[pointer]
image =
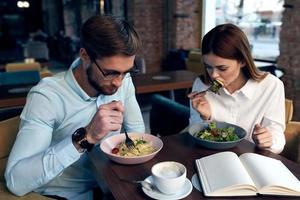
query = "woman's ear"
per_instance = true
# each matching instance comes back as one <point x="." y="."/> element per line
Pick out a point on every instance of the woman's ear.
<point x="242" y="64"/>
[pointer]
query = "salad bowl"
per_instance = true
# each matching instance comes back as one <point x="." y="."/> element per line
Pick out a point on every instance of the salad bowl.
<point x="216" y="144"/>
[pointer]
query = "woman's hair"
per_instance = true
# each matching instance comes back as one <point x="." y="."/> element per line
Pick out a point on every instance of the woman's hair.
<point x="230" y="42"/>
<point x="105" y="36"/>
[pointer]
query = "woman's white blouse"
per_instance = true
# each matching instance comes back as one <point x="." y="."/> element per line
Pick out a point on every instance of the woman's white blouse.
<point x="255" y="103"/>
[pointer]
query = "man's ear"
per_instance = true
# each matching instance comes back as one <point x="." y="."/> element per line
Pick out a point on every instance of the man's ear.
<point x="83" y="54"/>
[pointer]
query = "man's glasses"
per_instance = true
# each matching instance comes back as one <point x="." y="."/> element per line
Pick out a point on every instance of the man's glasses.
<point x="111" y="75"/>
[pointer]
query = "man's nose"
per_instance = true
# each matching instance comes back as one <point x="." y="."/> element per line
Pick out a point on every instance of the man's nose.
<point x="118" y="81"/>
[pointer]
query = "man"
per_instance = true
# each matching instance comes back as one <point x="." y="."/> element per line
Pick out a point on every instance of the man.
<point x="67" y="114"/>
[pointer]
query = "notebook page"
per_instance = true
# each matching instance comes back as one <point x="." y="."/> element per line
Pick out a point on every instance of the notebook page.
<point x="267" y="171"/>
<point x="223" y="170"/>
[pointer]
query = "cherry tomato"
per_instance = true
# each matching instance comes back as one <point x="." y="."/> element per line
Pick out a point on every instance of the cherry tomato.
<point x="115" y="150"/>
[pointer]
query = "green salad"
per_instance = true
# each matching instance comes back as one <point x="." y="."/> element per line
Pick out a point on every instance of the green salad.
<point x="216" y="86"/>
<point x="213" y="133"/>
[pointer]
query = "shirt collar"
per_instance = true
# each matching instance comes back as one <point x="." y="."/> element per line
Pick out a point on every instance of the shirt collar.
<point x="248" y="89"/>
<point x="71" y="81"/>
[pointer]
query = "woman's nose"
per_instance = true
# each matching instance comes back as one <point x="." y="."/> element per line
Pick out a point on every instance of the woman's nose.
<point x="214" y="73"/>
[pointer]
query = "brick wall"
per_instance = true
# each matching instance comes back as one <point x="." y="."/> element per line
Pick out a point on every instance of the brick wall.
<point x="147" y="17"/>
<point x="164" y="25"/>
<point x="289" y="58"/>
<point x="186" y="24"/>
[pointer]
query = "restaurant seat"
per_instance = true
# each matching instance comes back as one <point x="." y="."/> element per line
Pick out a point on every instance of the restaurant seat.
<point x="140" y="64"/>
<point x="194" y="62"/>
<point x="20" y="66"/>
<point x="34" y="66"/>
<point x="37" y="50"/>
<point x="8" y="131"/>
<point x="289" y="109"/>
<point x="10" y="112"/>
<point x="292" y="134"/>
<point x="19" y="78"/>
<point x="167" y="117"/>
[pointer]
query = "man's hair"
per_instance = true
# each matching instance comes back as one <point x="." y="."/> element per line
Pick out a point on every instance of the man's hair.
<point x="105" y="36"/>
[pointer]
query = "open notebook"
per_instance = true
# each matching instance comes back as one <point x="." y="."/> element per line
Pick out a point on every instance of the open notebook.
<point x="226" y="174"/>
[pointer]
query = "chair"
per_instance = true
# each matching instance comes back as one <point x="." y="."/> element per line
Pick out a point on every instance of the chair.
<point x="10" y="112"/>
<point x="194" y="62"/>
<point x="34" y="66"/>
<point x="140" y="64"/>
<point x="8" y="131"/>
<point x="19" y="78"/>
<point x="288" y="110"/>
<point x="12" y="67"/>
<point x="37" y="50"/>
<point x="167" y="117"/>
<point x="292" y="134"/>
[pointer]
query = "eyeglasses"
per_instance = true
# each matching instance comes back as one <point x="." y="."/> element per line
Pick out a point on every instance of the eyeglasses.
<point x="111" y="75"/>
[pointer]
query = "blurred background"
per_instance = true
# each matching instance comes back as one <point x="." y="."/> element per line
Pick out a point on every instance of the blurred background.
<point x="47" y="31"/>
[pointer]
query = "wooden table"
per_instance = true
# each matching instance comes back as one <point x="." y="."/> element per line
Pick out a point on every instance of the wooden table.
<point x="8" y="98"/>
<point x="164" y="81"/>
<point x="180" y="148"/>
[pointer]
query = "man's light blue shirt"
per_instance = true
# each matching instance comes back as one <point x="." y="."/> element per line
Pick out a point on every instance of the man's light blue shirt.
<point x="43" y="158"/>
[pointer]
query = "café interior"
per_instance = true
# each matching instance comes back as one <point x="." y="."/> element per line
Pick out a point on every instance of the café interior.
<point x="40" y="38"/>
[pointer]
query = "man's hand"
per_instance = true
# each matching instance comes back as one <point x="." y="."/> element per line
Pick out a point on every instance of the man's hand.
<point x="262" y="137"/>
<point x="109" y="117"/>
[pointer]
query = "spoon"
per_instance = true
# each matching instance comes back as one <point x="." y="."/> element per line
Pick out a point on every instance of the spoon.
<point x="144" y="184"/>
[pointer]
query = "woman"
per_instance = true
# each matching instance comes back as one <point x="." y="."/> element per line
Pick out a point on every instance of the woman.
<point x="249" y="98"/>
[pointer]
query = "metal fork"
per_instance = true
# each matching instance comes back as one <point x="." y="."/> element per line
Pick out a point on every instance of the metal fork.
<point x="211" y="88"/>
<point x="194" y="94"/>
<point x="128" y="142"/>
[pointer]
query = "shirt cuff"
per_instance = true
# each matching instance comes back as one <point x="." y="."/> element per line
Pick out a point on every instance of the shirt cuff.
<point x="66" y="152"/>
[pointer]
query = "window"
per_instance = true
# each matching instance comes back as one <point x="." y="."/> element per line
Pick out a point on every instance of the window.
<point x="259" y="19"/>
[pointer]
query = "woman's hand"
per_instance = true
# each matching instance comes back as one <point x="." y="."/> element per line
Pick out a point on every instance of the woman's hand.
<point x="109" y="117"/>
<point x="200" y="104"/>
<point x="262" y="137"/>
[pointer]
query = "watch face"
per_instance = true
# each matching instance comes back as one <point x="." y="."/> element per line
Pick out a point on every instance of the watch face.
<point x="79" y="134"/>
<point x="79" y="137"/>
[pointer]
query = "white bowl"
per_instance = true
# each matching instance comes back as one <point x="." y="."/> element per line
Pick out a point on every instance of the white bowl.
<point x="111" y="142"/>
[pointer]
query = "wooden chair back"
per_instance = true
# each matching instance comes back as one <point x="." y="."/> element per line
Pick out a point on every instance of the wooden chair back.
<point x="288" y="110"/>
<point x="12" y="67"/>
<point x="8" y="132"/>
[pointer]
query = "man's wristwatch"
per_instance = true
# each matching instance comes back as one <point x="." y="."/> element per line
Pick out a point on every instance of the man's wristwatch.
<point x="79" y="137"/>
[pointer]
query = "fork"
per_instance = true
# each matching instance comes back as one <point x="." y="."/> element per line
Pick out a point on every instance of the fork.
<point x="211" y="88"/>
<point x="128" y="142"/>
<point x="193" y="94"/>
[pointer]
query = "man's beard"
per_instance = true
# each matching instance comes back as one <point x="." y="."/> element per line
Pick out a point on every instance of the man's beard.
<point x="95" y="85"/>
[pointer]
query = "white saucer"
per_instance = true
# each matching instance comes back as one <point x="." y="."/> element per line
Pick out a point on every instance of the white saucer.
<point x="155" y="194"/>
<point x="196" y="182"/>
<point x="160" y="77"/>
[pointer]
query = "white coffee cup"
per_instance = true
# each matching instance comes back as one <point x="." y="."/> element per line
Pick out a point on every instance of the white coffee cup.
<point x="169" y="176"/>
